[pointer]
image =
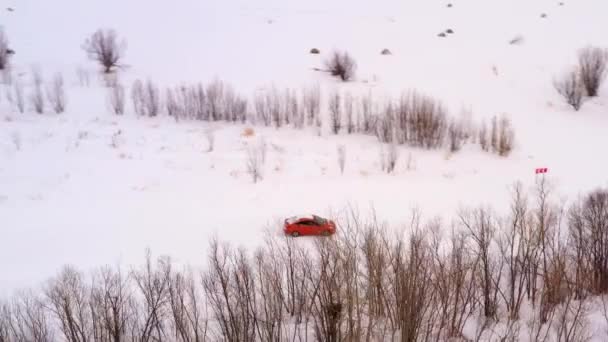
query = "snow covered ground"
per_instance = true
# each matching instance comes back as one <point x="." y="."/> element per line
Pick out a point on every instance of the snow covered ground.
<point x="70" y="192"/>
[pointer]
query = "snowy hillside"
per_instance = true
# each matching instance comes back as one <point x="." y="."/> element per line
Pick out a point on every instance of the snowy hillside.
<point x="87" y="187"/>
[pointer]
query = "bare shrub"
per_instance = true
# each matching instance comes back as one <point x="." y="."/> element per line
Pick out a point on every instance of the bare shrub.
<point x="483" y="137"/>
<point x="104" y="48"/>
<point x="137" y="96"/>
<point x="111" y="303"/>
<point x="37" y="96"/>
<point x="588" y="224"/>
<point x="4" y="51"/>
<point x="116" y="99"/>
<point x="312" y="103"/>
<point x="592" y="65"/>
<point x="16" y="139"/>
<point x="56" y="94"/>
<point x="506" y="137"/>
<point x="19" y="98"/>
<point x="215" y="95"/>
<point x="342" y="65"/>
<point x="349" y="112"/>
<point x="385" y="125"/>
<point x="368" y="122"/>
<point x="455" y="136"/>
<point x="146" y="98"/>
<point x="341" y="157"/>
<point x="256" y="157"/>
<point x="335" y="112"/>
<point x="388" y="157"/>
<point x="571" y="88"/>
<point x="426" y="121"/>
<point x="494" y="135"/>
<point x="83" y="76"/>
<point x="210" y="137"/>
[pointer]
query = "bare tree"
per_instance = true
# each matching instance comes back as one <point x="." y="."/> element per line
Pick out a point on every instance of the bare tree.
<point x="137" y="96"/>
<point x="572" y="88"/>
<point x="341" y="157"/>
<point x="103" y="47"/>
<point x="56" y="94"/>
<point x="342" y="65"/>
<point x="153" y="283"/>
<point x="335" y="112"/>
<point x="69" y="301"/>
<point x="5" y="51"/>
<point x="116" y="99"/>
<point x="483" y="137"/>
<point x="592" y="64"/>
<point x="111" y="305"/>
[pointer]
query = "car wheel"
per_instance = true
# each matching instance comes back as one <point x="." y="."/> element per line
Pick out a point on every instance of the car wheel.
<point x="325" y="233"/>
<point x="295" y="234"/>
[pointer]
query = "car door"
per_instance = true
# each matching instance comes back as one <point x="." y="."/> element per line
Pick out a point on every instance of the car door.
<point x="306" y="227"/>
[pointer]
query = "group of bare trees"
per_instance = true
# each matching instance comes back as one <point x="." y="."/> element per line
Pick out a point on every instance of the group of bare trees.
<point x="500" y="138"/>
<point x="531" y="273"/>
<point x="585" y="79"/>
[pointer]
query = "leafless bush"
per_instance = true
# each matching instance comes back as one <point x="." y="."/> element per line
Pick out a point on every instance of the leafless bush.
<point x="388" y="157"/>
<point x="588" y="220"/>
<point x="368" y="124"/>
<point x="4" y="50"/>
<point x="84" y="78"/>
<point x="506" y="137"/>
<point x="256" y="157"/>
<point x="172" y="104"/>
<point x="335" y="112"/>
<point x="341" y="157"/>
<point x="215" y="96"/>
<point x="16" y="139"/>
<point x="146" y="98"/>
<point x="494" y="135"/>
<point x="572" y="88"/>
<point x="592" y="64"/>
<point x="16" y="97"/>
<point x="420" y="120"/>
<point x="349" y="112"/>
<point x="104" y="48"/>
<point x="56" y="94"/>
<point x="137" y="96"/>
<point x="342" y="65"/>
<point x="385" y="126"/>
<point x="480" y="226"/>
<point x="37" y="96"/>
<point x="312" y="103"/>
<point x="483" y="136"/>
<point x="455" y="136"/>
<point x="210" y="136"/>
<point x="116" y="99"/>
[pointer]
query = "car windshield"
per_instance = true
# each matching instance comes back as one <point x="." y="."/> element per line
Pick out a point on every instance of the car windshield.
<point x="319" y="220"/>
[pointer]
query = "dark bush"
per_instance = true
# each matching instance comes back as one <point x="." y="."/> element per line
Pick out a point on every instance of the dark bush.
<point x="592" y="65"/>
<point x="342" y="65"/>
<point x="103" y="47"/>
<point x="571" y="87"/>
<point x="315" y="51"/>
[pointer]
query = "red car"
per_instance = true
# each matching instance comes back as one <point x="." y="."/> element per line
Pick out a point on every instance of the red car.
<point x="309" y="225"/>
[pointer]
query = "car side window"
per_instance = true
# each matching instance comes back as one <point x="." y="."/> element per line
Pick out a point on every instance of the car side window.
<point x="307" y="223"/>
